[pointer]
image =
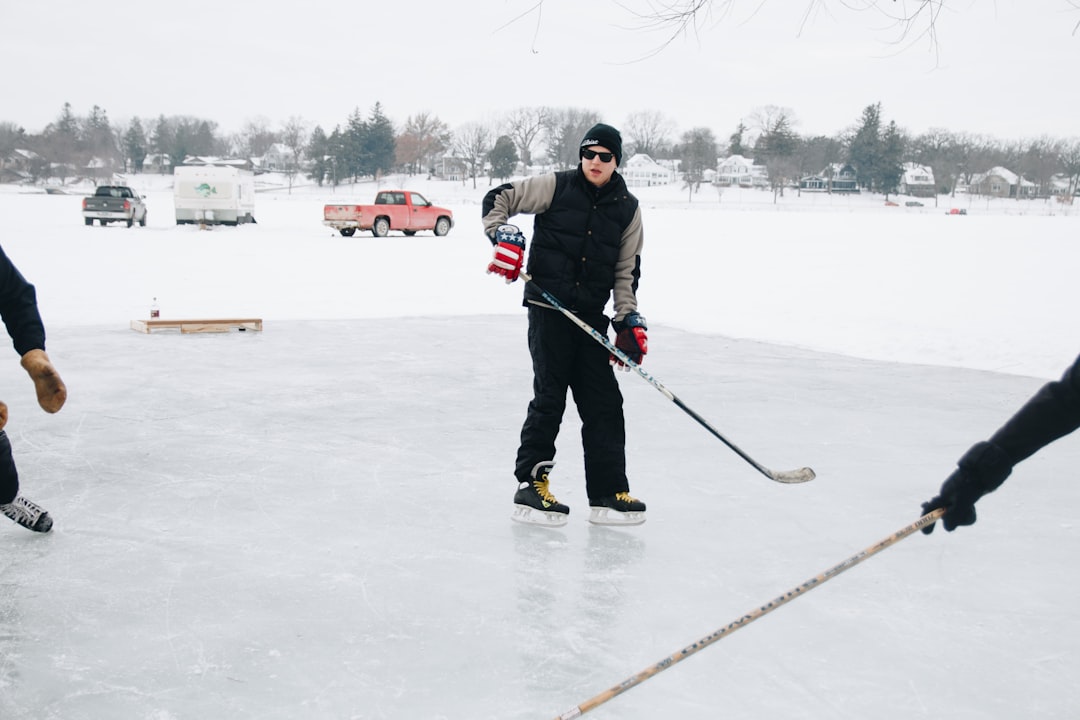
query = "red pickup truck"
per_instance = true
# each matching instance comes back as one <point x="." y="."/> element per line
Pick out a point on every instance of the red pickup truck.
<point x="402" y="210"/>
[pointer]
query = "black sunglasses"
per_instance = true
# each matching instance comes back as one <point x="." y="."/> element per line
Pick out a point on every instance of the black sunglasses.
<point x="590" y="154"/>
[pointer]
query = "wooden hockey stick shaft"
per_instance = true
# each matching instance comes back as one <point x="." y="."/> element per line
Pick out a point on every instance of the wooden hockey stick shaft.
<point x="751" y="616"/>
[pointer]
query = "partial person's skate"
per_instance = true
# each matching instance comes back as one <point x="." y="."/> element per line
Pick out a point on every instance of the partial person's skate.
<point x="617" y="509"/>
<point x="27" y="514"/>
<point x="534" y="504"/>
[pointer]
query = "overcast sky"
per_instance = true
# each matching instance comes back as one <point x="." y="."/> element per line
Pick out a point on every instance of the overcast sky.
<point x="1004" y="68"/>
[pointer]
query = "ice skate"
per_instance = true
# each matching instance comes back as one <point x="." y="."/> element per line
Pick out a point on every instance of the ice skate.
<point x="617" y="509"/>
<point x="27" y="514"/>
<point x="535" y="505"/>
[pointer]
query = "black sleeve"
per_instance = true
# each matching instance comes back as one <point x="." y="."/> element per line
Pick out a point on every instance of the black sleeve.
<point x="1053" y="412"/>
<point x="18" y="307"/>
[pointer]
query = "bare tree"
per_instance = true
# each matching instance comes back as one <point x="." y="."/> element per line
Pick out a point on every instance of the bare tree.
<point x="255" y="138"/>
<point x="524" y="126"/>
<point x="698" y="154"/>
<point x="911" y="21"/>
<point x="1039" y="160"/>
<point x="472" y="143"/>
<point x="1070" y="163"/>
<point x="563" y="130"/>
<point x="294" y="136"/>
<point x="767" y="118"/>
<point x="649" y="132"/>
<point x="424" y="138"/>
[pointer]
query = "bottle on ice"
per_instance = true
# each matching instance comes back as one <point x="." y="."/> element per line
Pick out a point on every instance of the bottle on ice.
<point x="155" y="311"/>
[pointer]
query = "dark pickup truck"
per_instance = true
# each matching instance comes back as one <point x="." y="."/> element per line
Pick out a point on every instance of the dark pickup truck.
<point x="114" y="203"/>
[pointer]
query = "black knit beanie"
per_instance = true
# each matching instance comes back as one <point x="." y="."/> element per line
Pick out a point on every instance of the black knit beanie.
<point x="609" y="137"/>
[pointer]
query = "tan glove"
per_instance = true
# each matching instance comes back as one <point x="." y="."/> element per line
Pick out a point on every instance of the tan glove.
<point x="3" y="415"/>
<point x="51" y="392"/>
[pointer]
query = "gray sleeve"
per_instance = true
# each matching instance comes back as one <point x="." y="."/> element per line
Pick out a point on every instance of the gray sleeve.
<point x="628" y="268"/>
<point x="532" y="195"/>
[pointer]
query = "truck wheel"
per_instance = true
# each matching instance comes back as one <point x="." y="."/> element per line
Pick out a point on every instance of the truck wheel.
<point x="88" y="221"/>
<point x="381" y="227"/>
<point x="348" y="232"/>
<point x="131" y="221"/>
<point x="142" y="223"/>
<point x="442" y="226"/>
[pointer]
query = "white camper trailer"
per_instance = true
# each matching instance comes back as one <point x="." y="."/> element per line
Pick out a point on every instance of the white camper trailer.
<point x="213" y="195"/>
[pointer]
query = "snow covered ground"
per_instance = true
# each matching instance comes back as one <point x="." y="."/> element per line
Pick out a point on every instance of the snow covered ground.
<point x="313" y="521"/>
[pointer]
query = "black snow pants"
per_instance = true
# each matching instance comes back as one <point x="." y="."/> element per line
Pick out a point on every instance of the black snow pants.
<point x="9" y="477"/>
<point x="564" y="357"/>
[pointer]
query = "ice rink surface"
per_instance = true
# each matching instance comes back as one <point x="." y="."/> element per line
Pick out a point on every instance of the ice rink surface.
<point x="286" y="524"/>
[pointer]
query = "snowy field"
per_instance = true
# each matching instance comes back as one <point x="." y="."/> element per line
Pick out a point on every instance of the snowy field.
<point x="313" y="521"/>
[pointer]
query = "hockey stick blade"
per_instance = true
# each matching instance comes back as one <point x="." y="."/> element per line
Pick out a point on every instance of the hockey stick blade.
<point x="792" y="477"/>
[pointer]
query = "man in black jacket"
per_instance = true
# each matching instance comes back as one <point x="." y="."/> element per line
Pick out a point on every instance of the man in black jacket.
<point x="18" y="308"/>
<point x="1053" y="412"/>
<point x="585" y="251"/>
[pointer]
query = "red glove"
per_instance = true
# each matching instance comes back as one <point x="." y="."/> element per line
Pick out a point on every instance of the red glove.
<point x="509" y="252"/>
<point x="631" y="339"/>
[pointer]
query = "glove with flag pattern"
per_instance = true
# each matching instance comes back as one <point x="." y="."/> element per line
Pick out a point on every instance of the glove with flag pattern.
<point x="509" y="252"/>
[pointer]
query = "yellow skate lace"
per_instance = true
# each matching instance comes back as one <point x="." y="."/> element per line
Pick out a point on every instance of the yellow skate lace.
<point x="542" y="490"/>
<point x="626" y="497"/>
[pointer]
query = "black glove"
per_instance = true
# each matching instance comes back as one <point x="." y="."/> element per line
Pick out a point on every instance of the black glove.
<point x="981" y="470"/>
<point x="631" y="338"/>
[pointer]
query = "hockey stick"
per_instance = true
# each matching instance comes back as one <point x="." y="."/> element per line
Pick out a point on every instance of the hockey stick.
<point x="751" y="616"/>
<point x="782" y="476"/>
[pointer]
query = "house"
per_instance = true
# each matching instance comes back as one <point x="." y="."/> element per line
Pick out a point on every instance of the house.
<point x="1002" y="183"/>
<point x="278" y="158"/>
<point x="1064" y="186"/>
<point x="242" y="163"/>
<point x="97" y="169"/>
<point x="642" y="171"/>
<point x="449" y="167"/>
<point x="157" y="162"/>
<point x="739" y="171"/>
<point x="917" y="181"/>
<point x="836" y="178"/>
<point x="19" y="165"/>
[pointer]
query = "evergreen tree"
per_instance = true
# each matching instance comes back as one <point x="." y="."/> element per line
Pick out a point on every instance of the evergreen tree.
<point x="62" y="142"/>
<point x="503" y="157"/>
<point x="67" y="123"/>
<point x="161" y="140"/>
<point x="864" y="151"/>
<point x="339" y="150"/>
<point x="97" y="139"/>
<point x="135" y="146"/>
<point x="203" y="140"/>
<point x="377" y="146"/>
<point x="890" y="168"/>
<point x="317" y="150"/>
<point x="735" y="142"/>
<point x="352" y="146"/>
